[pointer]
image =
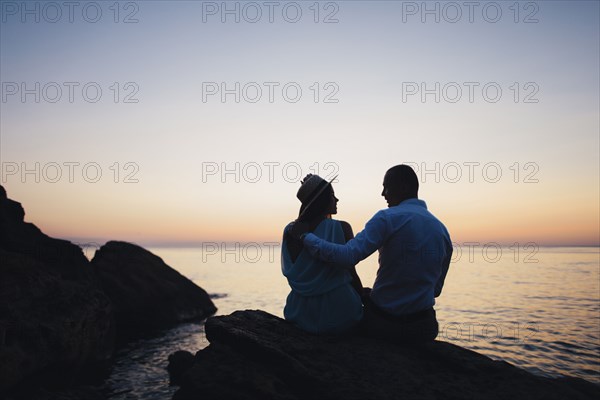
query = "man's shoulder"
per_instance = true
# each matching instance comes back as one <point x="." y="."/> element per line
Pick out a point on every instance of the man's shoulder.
<point x="399" y="210"/>
<point x="410" y="211"/>
<point x="383" y="215"/>
<point x="384" y="212"/>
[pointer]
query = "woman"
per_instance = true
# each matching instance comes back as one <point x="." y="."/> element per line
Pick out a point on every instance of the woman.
<point x="325" y="299"/>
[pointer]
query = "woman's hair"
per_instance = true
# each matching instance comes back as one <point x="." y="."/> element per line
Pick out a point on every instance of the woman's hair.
<point x="318" y="207"/>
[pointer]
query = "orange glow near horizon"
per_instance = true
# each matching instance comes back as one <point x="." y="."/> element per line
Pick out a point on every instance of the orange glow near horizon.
<point x="145" y="225"/>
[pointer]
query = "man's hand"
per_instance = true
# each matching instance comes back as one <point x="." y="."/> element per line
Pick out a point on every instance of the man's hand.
<point x="298" y="229"/>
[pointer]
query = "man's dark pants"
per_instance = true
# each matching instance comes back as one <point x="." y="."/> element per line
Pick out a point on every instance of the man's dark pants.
<point x="413" y="328"/>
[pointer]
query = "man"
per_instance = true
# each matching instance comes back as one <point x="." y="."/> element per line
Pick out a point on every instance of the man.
<point x="414" y="256"/>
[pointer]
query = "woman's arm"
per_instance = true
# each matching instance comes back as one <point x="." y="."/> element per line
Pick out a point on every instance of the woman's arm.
<point x="294" y="246"/>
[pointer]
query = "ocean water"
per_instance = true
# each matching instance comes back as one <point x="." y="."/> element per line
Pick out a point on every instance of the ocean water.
<point x="537" y="308"/>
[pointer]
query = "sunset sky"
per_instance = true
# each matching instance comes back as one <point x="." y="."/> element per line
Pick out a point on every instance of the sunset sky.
<point x="496" y="105"/>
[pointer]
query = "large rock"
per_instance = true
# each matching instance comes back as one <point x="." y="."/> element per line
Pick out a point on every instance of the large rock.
<point x="57" y="323"/>
<point x="18" y="236"/>
<point x="54" y="321"/>
<point x="145" y="292"/>
<point x="49" y="325"/>
<point x="255" y="355"/>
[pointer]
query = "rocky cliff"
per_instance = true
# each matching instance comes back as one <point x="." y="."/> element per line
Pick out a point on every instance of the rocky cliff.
<point x="61" y="315"/>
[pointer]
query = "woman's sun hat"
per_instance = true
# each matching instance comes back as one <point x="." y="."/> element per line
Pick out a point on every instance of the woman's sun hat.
<point x="312" y="187"/>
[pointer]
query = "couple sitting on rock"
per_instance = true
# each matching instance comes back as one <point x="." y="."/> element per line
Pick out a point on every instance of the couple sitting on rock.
<point x="319" y="255"/>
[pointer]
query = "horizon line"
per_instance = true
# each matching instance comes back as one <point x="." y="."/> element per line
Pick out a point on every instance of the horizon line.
<point x="97" y="242"/>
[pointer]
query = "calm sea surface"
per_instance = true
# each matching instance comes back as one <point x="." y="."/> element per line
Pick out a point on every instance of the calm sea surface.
<point x="537" y="308"/>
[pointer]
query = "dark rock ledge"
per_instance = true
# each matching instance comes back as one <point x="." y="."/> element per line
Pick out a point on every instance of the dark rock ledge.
<point x="255" y="355"/>
<point x="61" y="316"/>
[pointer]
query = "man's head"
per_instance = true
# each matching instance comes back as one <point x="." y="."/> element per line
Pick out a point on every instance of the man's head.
<point x="400" y="183"/>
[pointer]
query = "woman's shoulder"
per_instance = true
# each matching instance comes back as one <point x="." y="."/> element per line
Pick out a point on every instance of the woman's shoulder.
<point x="343" y="223"/>
<point x="288" y="227"/>
<point x="347" y="228"/>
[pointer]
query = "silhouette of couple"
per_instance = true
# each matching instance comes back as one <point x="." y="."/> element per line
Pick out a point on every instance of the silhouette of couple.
<point x="319" y="255"/>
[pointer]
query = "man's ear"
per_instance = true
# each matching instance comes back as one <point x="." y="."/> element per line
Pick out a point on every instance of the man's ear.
<point x="395" y="190"/>
<point x="404" y="190"/>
